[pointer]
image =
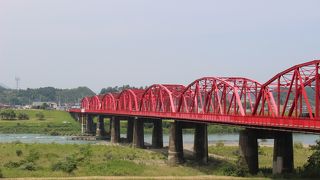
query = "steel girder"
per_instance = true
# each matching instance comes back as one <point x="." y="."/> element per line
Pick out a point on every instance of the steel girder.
<point x="295" y="91"/>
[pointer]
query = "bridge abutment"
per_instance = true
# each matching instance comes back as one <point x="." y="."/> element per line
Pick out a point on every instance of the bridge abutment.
<point x="138" y="133"/>
<point x="248" y="144"/>
<point x="201" y="143"/>
<point x="157" y="134"/>
<point x="115" y="129"/>
<point x="283" y="153"/>
<point x="175" y="154"/>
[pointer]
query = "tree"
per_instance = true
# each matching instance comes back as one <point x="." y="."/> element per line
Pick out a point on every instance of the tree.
<point x="312" y="168"/>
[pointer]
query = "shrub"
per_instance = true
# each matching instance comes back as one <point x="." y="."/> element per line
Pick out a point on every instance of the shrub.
<point x="29" y="166"/>
<point x="1" y="175"/>
<point x="18" y="152"/>
<point x="12" y="164"/>
<point x="40" y="116"/>
<point x="8" y="115"/>
<point x="33" y="156"/>
<point x="68" y="165"/>
<point x="312" y="168"/>
<point x="23" y="116"/>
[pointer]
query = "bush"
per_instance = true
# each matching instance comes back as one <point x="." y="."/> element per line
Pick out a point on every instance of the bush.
<point x="23" y="116"/>
<point x="68" y="165"/>
<point x="29" y="166"/>
<point x="1" y="175"/>
<point x="312" y="168"/>
<point x="40" y="116"/>
<point x="12" y="164"/>
<point x="8" y="115"/>
<point x="18" y="152"/>
<point x="33" y="156"/>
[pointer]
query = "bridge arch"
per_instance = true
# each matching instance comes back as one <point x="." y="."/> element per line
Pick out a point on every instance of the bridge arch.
<point x="211" y="95"/>
<point x="108" y="102"/>
<point x="95" y="103"/>
<point x="248" y="90"/>
<point x="296" y="92"/>
<point x="128" y="100"/>
<point x="161" y="98"/>
<point x="85" y="103"/>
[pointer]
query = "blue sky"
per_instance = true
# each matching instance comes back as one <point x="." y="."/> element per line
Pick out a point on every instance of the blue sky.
<point x="100" y="43"/>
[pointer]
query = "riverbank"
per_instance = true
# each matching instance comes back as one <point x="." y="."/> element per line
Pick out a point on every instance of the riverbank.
<point x="61" y="123"/>
<point x="66" y="160"/>
<point x="53" y="123"/>
<point x="56" y="160"/>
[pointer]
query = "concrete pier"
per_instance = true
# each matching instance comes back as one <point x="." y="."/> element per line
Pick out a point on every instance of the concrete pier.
<point x="90" y="125"/>
<point x="100" y="131"/>
<point x="138" y="133"/>
<point x="157" y="134"/>
<point x="115" y="129"/>
<point x="175" y="154"/>
<point x="130" y="130"/>
<point x="283" y="153"/>
<point x="201" y="143"/>
<point x="249" y="150"/>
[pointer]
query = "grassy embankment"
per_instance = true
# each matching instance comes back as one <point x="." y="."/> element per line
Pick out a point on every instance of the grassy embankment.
<point x="231" y="154"/>
<point x="61" y="123"/>
<point x="56" y="160"/>
<point x="42" y="160"/>
<point x="54" y="122"/>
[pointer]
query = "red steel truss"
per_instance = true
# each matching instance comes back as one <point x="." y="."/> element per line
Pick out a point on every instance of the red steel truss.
<point x="288" y="101"/>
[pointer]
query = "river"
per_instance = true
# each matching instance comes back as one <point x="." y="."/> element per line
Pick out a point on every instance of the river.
<point x="187" y="139"/>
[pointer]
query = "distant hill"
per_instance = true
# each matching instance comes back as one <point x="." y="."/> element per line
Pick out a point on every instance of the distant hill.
<point x="46" y="94"/>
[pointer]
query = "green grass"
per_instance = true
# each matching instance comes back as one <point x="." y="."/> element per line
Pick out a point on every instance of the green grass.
<point x="265" y="155"/>
<point x="55" y="122"/>
<point x="101" y="160"/>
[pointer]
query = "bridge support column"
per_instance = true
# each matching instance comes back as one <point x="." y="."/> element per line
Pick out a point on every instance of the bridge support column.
<point x="138" y="133"/>
<point x="115" y="129"/>
<point x="157" y="134"/>
<point x="201" y="143"/>
<point x="130" y="130"/>
<point x="283" y="153"/>
<point x="89" y="125"/>
<point x="175" y="154"/>
<point x="100" y="131"/>
<point x="249" y="150"/>
<point x="83" y="123"/>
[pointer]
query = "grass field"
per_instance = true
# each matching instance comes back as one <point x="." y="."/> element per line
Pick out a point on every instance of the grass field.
<point x="42" y="160"/>
<point x="38" y="160"/>
<point x="54" y="122"/>
<point x="265" y="155"/>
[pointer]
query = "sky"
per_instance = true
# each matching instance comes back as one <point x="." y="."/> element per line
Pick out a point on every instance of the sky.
<point x="101" y="43"/>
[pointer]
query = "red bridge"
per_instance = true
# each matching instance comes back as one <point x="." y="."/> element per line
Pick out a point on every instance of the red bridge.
<point x="288" y="102"/>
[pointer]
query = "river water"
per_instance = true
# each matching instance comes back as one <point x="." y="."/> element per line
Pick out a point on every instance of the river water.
<point x="187" y="139"/>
